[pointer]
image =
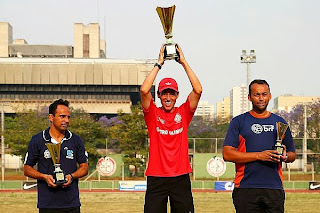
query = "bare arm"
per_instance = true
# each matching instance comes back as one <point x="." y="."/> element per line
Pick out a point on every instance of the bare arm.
<point x="31" y="172"/>
<point x="81" y="172"/>
<point x="147" y="84"/>
<point x="195" y="94"/>
<point x="231" y="154"/>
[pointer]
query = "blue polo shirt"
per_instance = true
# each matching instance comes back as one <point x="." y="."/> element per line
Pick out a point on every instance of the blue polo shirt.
<point x="72" y="154"/>
<point x="252" y="134"/>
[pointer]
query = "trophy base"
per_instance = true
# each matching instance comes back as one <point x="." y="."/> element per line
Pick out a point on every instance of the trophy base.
<point x="278" y="148"/>
<point x="170" y="52"/>
<point x="59" y="178"/>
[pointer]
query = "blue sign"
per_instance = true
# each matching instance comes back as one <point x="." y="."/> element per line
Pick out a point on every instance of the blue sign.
<point x="223" y="186"/>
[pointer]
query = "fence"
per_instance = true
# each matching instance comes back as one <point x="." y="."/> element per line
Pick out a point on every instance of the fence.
<point x="114" y="185"/>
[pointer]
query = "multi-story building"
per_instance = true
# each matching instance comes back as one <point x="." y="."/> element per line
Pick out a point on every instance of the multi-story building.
<point x="32" y="76"/>
<point x="205" y="110"/>
<point x="238" y="100"/>
<point x="287" y="102"/>
<point x="223" y="111"/>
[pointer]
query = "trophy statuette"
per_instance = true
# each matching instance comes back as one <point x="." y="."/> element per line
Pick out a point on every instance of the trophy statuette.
<point x="281" y="130"/>
<point x="58" y="174"/>
<point x="166" y="16"/>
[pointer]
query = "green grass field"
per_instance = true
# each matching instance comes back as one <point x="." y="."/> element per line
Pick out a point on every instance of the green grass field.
<point x="115" y="202"/>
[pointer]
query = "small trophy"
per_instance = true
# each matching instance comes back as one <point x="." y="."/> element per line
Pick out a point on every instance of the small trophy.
<point x="281" y="130"/>
<point x="166" y="17"/>
<point x="58" y="173"/>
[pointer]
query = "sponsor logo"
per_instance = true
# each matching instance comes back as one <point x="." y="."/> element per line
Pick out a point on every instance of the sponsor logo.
<point x="69" y="154"/>
<point x="257" y="128"/>
<point x="160" y="120"/>
<point x="46" y="154"/>
<point x="314" y="185"/>
<point x="178" y="118"/>
<point x="29" y="186"/>
<point x="166" y="132"/>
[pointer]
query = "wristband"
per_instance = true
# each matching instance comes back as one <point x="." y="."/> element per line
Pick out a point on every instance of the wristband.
<point x="158" y="65"/>
<point x="71" y="177"/>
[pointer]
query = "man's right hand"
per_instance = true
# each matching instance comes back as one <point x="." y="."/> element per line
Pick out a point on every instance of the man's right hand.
<point x="50" y="181"/>
<point x="269" y="155"/>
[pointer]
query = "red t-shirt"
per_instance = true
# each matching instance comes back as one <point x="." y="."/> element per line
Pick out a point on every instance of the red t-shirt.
<point x="168" y="133"/>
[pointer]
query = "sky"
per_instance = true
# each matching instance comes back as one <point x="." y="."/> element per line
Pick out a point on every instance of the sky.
<point x="285" y="35"/>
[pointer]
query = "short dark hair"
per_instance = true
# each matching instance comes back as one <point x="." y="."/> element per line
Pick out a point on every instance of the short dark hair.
<point x="258" y="81"/>
<point x="54" y="105"/>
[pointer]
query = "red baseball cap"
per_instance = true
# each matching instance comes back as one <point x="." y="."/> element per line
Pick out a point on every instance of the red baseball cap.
<point x="168" y="83"/>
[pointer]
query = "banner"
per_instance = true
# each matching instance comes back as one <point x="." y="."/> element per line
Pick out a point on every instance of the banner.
<point x="223" y="186"/>
<point x="132" y="185"/>
<point x="314" y="185"/>
<point x="27" y="185"/>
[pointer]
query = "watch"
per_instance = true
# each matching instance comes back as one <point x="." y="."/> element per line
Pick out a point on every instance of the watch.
<point x="158" y="65"/>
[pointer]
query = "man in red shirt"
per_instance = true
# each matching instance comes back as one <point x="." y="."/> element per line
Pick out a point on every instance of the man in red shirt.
<point x="169" y="167"/>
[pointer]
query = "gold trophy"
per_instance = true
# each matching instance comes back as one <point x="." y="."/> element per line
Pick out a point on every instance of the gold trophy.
<point x="281" y="130"/>
<point x="58" y="174"/>
<point x="166" y="16"/>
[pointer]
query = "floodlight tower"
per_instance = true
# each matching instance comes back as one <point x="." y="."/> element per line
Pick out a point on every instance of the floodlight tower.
<point x="248" y="59"/>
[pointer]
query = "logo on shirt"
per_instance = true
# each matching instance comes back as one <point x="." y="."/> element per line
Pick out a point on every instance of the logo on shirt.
<point x="160" y="120"/>
<point x="178" y="118"/>
<point x="69" y="154"/>
<point x="46" y="154"/>
<point x="257" y="128"/>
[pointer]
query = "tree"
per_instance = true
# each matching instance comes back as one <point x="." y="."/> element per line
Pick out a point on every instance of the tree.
<point x="131" y="133"/>
<point x="21" y="127"/>
<point x="200" y="128"/>
<point x="295" y="119"/>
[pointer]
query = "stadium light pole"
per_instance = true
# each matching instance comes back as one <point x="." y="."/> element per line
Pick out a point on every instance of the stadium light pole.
<point x="248" y="59"/>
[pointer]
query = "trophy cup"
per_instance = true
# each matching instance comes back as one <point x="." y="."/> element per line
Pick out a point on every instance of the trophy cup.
<point x="58" y="173"/>
<point x="166" y="17"/>
<point x="281" y="130"/>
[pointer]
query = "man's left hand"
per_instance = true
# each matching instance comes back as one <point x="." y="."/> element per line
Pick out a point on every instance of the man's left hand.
<point x="69" y="179"/>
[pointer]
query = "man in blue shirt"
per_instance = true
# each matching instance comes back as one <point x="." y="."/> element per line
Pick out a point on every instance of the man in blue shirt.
<point x="248" y="143"/>
<point x="52" y="197"/>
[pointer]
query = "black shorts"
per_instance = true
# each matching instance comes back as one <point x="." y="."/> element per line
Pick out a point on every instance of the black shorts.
<point x="177" y="189"/>
<point x="61" y="210"/>
<point x="258" y="200"/>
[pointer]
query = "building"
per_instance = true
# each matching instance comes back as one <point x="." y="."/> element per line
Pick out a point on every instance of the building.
<point x="32" y="76"/>
<point x="205" y="110"/>
<point x="287" y="102"/>
<point x="223" y="111"/>
<point x="238" y="100"/>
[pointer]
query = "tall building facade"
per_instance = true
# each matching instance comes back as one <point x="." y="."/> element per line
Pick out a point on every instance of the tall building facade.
<point x="238" y="100"/>
<point x="87" y="41"/>
<point x="287" y="102"/>
<point x="32" y="76"/>
<point x="5" y="39"/>
<point x="205" y="110"/>
<point x="223" y="111"/>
